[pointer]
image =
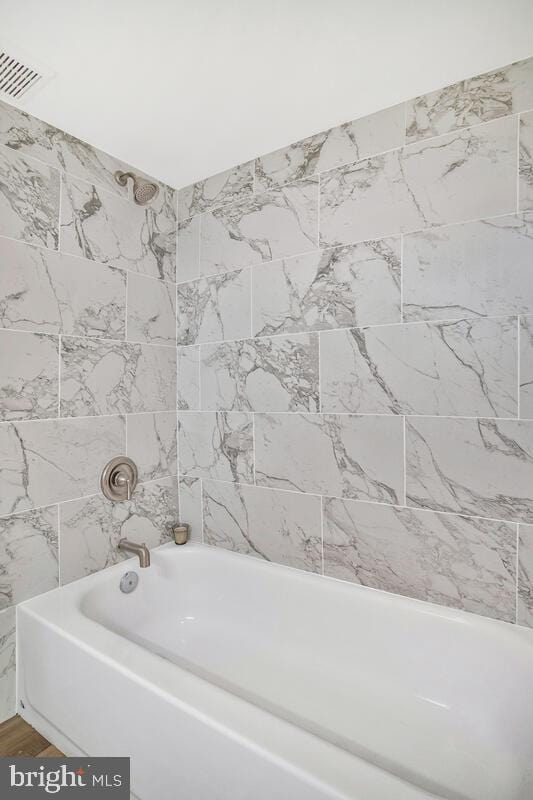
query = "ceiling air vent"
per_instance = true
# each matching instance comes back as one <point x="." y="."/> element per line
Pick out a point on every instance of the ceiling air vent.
<point x="16" y="78"/>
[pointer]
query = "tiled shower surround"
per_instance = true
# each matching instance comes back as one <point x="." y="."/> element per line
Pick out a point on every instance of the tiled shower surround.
<point x="355" y="350"/>
<point x="87" y="364"/>
<point x="353" y="320"/>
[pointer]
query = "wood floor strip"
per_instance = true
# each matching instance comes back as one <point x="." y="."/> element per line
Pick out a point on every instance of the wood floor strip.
<point x="17" y="738"/>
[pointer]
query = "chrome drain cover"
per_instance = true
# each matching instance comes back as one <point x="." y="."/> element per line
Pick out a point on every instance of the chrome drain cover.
<point x="128" y="582"/>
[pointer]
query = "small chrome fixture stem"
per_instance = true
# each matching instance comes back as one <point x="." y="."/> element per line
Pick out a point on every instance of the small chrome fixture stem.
<point x="139" y="550"/>
<point x="181" y="533"/>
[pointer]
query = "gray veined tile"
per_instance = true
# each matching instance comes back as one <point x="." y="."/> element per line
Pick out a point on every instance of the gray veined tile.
<point x="476" y="269"/>
<point x="526" y="367"/>
<point x="525" y="576"/>
<point x="29" y="200"/>
<point x="215" y="308"/>
<point x="91" y="527"/>
<point x="217" y="190"/>
<point x="29" y="376"/>
<point x="49" y="292"/>
<point x="525" y="181"/>
<point x="283" y="527"/>
<point x="101" y="377"/>
<point x="343" y="456"/>
<point x="152" y="444"/>
<point x="465" y="175"/>
<point x="102" y="227"/>
<point x="216" y="445"/>
<point x="191" y="506"/>
<point x="456" y="561"/>
<point x="344" y="144"/>
<point x="275" y="224"/>
<point x="188" y="250"/>
<point x="40" y="460"/>
<point x="279" y="374"/>
<point x="189" y="378"/>
<point x="7" y="663"/>
<point x="459" y="368"/>
<point x="28" y="556"/>
<point x="151" y="310"/>
<point x="486" y="97"/>
<point x="31" y="136"/>
<point x="482" y="467"/>
<point x="359" y="284"/>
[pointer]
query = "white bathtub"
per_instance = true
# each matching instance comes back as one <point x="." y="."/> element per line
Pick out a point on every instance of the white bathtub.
<point x="225" y="678"/>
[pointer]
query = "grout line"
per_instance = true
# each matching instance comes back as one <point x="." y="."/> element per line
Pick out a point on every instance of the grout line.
<point x="405" y="461"/>
<point x="368" y="326"/>
<point x="517" y="578"/>
<point x="251" y="274"/>
<point x="126" y="314"/>
<point x="378" y="504"/>
<point x="518" y="165"/>
<point x="402" y="314"/>
<point x="58" y="546"/>
<point x="518" y="370"/>
<point x="357" y="414"/>
<point x="59" y="353"/>
<point x="319" y="371"/>
<point x="430" y="229"/>
<point x="253" y="450"/>
<point x="322" y="534"/>
<point x="202" y="510"/>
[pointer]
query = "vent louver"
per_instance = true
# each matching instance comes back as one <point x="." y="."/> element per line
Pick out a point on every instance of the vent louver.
<point x="16" y="78"/>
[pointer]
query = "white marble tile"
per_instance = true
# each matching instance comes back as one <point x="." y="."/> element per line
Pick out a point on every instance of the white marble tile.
<point x="525" y="182"/>
<point x="524" y="609"/>
<point x="344" y="144"/>
<point x="91" y="528"/>
<point x="7" y="664"/>
<point x="526" y="367"/>
<point x="478" y="269"/>
<point x="151" y="310"/>
<point x="463" y="176"/>
<point x="275" y="224"/>
<point x="460" y="368"/>
<point x="28" y="555"/>
<point x="188" y="256"/>
<point x="342" y="456"/>
<point x="217" y="190"/>
<point x="29" y="375"/>
<point x="49" y="292"/>
<point x="41" y="463"/>
<point x="215" y="308"/>
<point x="278" y="374"/>
<point x="101" y="377"/>
<point x="152" y="444"/>
<point x="218" y="446"/>
<point x="283" y="527"/>
<point x="31" y="136"/>
<point x="337" y="288"/>
<point x="29" y="200"/>
<point x="479" y="99"/>
<point x="482" y="467"/>
<point x="189" y="378"/>
<point x="456" y="561"/>
<point x="191" y="506"/>
<point x="102" y="227"/>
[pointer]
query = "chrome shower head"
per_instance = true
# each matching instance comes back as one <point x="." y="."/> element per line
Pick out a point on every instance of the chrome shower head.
<point x="143" y="191"/>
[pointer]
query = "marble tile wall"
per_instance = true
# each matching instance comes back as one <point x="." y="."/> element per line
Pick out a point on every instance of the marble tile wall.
<point x="87" y="364"/>
<point x="355" y="369"/>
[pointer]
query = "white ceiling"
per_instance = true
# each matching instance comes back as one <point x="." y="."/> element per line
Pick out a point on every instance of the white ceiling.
<point x="186" y="88"/>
